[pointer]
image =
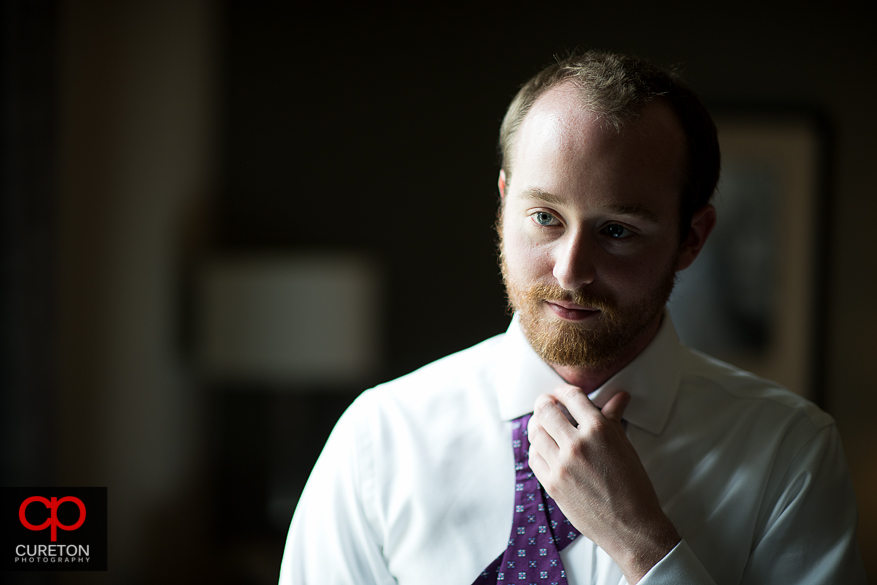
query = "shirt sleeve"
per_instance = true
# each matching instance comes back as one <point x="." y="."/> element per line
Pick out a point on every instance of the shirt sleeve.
<point x="331" y="540"/>
<point x="808" y="533"/>
<point x="680" y="567"/>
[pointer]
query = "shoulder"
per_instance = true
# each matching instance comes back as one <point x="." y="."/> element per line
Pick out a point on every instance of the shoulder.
<point x="464" y="378"/>
<point x="727" y="392"/>
<point x="749" y="440"/>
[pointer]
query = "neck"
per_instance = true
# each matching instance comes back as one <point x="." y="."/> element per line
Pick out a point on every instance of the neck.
<point x="589" y="378"/>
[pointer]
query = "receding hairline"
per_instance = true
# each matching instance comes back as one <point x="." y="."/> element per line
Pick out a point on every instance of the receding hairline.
<point x="616" y="121"/>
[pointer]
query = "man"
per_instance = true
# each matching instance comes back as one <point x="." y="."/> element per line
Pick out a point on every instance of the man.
<point x="656" y="464"/>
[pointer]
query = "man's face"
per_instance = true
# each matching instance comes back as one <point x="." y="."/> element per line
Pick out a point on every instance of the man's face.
<point x="589" y="229"/>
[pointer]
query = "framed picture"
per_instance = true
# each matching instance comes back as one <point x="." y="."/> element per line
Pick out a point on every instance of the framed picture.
<point x="752" y="298"/>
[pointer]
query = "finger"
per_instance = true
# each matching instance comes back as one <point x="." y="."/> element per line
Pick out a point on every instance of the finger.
<point x="538" y="465"/>
<point x="540" y="439"/>
<point x="577" y="402"/>
<point x="614" y="409"/>
<point x="568" y="415"/>
<point x="547" y="413"/>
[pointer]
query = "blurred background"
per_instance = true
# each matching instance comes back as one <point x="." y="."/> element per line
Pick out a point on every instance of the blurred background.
<point x="221" y="221"/>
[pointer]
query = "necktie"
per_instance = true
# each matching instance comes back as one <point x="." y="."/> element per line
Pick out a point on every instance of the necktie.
<point x="539" y="529"/>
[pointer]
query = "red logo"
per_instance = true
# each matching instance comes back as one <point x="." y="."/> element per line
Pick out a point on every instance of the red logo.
<point x="52" y="506"/>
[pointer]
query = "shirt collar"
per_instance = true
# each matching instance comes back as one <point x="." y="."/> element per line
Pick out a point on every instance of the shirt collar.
<point x="652" y="378"/>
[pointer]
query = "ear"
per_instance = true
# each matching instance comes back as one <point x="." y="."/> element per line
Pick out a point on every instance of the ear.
<point x="702" y="223"/>
<point x="502" y="184"/>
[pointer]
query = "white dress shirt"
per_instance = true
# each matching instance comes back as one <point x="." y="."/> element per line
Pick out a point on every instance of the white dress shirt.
<point x="415" y="485"/>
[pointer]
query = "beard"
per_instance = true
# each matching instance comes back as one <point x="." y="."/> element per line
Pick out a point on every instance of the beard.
<point x="567" y="343"/>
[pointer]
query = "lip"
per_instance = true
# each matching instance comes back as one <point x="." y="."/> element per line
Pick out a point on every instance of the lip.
<point x="571" y="311"/>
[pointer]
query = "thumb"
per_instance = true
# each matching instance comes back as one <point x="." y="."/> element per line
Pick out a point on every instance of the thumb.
<point x="614" y="409"/>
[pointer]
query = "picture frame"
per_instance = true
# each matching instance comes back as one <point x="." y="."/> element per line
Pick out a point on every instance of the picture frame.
<point x="753" y="297"/>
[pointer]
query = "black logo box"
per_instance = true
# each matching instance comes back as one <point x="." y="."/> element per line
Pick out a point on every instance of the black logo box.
<point x="66" y="553"/>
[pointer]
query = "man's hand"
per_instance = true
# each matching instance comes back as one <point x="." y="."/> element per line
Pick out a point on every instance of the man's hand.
<point x="595" y="476"/>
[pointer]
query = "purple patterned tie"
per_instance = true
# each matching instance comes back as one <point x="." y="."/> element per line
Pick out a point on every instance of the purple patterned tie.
<point x="539" y="529"/>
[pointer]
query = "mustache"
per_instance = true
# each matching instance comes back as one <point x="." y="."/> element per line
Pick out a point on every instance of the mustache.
<point x="550" y="292"/>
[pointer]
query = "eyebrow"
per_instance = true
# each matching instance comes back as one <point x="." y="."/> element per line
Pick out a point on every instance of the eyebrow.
<point x="543" y="196"/>
<point x="640" y="211"/>
<point x="634" y="210"/>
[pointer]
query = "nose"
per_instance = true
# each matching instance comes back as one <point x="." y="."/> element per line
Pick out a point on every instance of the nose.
<point x="574" y="261"/>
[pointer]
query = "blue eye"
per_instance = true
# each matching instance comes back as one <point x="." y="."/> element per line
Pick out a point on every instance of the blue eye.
<point x="617" y="231"/>
<point x="543" y="218"/>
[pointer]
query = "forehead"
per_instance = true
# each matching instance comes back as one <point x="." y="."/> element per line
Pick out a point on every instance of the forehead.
<point x="559" y="115"/>
<point x="561" y="143"/>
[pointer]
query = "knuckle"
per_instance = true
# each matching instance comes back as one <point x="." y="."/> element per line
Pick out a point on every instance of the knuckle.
<point x="560" y="476"/>
<point x="571" y="391"/>
<point x="593" y="427"/>
<point x="577" y="450"/>
<point x="543" y="404"/>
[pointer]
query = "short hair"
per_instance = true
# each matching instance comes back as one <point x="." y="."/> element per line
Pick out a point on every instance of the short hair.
<point x="617" y="88"/>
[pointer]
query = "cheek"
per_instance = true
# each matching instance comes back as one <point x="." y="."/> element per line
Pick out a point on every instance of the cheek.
<point x="635" y="278"/>
<point x="523" y="258"/>
<point x="624" y="267"/>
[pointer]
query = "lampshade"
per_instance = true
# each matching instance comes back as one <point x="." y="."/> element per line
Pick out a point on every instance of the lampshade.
<point x="289" y="320"/>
